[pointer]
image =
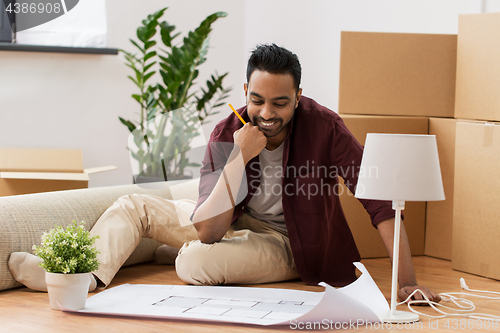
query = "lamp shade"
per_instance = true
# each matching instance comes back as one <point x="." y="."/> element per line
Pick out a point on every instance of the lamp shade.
<point x="400" y="167"/>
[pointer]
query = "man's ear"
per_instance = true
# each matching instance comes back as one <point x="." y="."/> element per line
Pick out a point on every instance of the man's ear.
<point x="297" y="98"/>
<point x="245" y="87"/>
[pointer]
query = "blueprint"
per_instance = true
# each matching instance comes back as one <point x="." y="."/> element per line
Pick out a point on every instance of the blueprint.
<point x="259" y="306"/>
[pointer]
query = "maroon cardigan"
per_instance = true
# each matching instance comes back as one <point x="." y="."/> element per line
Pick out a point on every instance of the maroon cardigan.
<point x="317" y="149"/>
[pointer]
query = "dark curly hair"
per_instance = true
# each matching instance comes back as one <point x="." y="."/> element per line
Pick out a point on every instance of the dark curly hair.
<point x="274" y="59"/>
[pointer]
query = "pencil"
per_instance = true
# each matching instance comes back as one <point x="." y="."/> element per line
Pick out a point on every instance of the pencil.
<point x="244" y="122"/>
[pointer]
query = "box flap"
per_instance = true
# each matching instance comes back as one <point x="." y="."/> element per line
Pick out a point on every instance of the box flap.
<point x="100" y="169"/>
<point x="45" y="175"/>
<point x="41" y="160"/>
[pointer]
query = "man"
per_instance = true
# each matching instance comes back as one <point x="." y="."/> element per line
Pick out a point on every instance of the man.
<point x="295" y="133"/>
<point x="268" y="209"/>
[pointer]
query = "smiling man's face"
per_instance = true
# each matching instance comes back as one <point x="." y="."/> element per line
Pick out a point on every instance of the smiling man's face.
<point x="271" y="101"/>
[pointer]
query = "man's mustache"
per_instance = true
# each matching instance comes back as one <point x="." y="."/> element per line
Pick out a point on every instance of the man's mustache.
<point x="255" y="119"/>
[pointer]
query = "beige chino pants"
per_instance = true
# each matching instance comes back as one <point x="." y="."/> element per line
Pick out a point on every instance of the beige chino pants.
<point x="251" y="251"/>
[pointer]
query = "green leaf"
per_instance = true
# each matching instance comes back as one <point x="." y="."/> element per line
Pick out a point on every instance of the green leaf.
<point x="135" y="81"/>
<point x="149" y="56"/>
<point x="201" y="61"/>
<point x="164" y="59"/>
<point x="141" y="34"/>
<point x="165" y="32"/>
<point x="137" y="72"/>
<point x="138" y="98"/>
<point x="138" y="76"/>
<point x="151" y="113"/>
<point x="149" y="44"/>
<point x="138" y="138"/>
<point x="150" y="33"/>
<point x="129" y="124"/>
<point x="148" y="75"/>
<point x="149" y="66"/>
<point x="134" y="155"/>
<point x="150" y="99"/>
<point x="137" y="45"/>
<point x="159" y="13"/>
<point x="195" y="74"/>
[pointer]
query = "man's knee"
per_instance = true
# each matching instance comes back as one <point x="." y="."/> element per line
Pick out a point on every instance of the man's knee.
<point x="197" y="264"/>
<point x="132" y="204"/>
<point x="127" y="200"/>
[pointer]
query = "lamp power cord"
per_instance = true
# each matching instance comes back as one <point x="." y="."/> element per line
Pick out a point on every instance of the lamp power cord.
<point x="464" y="307"/>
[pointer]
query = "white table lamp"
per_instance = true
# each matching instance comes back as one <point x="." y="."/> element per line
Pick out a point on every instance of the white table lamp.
<point x="399" y="167"/>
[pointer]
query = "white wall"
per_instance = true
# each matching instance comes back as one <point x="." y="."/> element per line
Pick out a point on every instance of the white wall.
<point x="312" y="30"/>
<point x="50" y="100"/>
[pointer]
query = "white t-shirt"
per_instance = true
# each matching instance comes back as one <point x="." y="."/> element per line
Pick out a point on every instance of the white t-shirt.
<point x="266" y="204"/>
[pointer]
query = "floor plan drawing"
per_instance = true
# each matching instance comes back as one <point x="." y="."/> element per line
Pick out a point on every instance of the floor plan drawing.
<point x="246" y="305"/>
<point x="274" y="310"/>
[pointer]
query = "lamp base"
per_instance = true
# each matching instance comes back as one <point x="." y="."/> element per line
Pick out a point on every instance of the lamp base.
<point x="399" y="317"/>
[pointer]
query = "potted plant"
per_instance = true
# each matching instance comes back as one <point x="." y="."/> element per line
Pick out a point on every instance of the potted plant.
<point x="68" y="258"/>
<point x="171" y="114"/>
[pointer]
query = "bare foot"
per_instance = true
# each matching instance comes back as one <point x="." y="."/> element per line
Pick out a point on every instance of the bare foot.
<point x="24" y="268"/>
<point x="165" y="255"/>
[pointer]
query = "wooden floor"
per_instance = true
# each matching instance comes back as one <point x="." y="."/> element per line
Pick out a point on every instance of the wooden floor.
<point x="22" y="310"/>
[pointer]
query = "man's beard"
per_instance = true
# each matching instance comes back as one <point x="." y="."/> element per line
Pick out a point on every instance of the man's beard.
<point x="269" y="134"/>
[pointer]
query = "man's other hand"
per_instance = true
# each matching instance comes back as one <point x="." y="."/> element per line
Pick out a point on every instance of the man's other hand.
<point x="404" y="292"/>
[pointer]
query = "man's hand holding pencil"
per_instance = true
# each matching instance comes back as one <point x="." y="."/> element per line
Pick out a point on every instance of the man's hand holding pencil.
<point x="249" y="139"/>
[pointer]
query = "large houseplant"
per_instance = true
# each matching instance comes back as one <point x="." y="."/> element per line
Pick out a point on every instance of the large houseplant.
<point x="68" y="258"/>
<point x="170" y="112"/>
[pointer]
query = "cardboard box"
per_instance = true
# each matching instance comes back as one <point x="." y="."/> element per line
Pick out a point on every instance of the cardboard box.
<point x="439" y="216"/>
<point x="397" y="74"/>
<point x="476" y="223"/>
<point x="25" y="170"/>
<point x="367" y="238"/>
<point x="478" y="67"/>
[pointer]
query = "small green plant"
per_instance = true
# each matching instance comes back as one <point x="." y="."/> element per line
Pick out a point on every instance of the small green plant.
<point x="68" y="251"/>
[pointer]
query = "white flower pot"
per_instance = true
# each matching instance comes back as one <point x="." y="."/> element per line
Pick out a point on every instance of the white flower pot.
<point x="69" y="290"/>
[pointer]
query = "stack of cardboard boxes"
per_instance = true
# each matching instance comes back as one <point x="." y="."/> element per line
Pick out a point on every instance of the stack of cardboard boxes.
<point x="449" y="86"/>
<point x="476" y="219"/>
<point x="397" y="83"/>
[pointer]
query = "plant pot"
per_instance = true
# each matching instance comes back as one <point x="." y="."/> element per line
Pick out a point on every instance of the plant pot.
<point x="69" y="290"/>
